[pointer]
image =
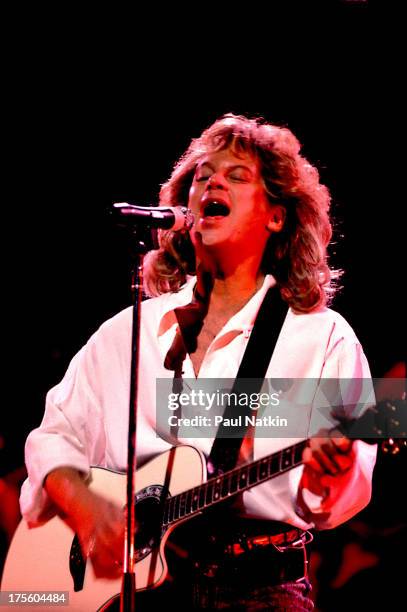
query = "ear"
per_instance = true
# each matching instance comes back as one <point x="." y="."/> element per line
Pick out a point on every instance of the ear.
<point x="276" y="218"/>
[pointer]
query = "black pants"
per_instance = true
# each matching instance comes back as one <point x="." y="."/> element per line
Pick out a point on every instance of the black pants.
<point x="251" y="584"/>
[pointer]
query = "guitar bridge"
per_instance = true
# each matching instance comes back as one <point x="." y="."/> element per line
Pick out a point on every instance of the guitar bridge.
<point x="77" y="565"/>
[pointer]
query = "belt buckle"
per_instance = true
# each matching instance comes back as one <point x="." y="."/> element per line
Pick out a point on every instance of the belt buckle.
<point x="303" y="540"/>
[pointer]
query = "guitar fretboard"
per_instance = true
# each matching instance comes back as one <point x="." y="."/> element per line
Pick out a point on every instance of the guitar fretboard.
<point x="231" y="483"/>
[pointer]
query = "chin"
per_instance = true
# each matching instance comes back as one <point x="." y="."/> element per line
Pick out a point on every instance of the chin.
<point x="215" y="241"/>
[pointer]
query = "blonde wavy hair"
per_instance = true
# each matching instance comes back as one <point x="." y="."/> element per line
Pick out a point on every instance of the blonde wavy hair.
<point x="296" y="256"/>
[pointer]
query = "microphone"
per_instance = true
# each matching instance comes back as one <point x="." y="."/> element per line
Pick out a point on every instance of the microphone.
<point x="173" y="218"/>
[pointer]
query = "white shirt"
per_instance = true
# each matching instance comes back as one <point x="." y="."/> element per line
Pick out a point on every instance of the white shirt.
<point x="86" y="417"/>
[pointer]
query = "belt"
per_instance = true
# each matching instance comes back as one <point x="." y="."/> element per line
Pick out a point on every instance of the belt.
<point x="289" y="540"/>
<point x="258" y="559"/>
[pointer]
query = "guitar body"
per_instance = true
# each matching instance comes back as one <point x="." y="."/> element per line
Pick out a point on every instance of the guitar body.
<point x="39" y="558"/>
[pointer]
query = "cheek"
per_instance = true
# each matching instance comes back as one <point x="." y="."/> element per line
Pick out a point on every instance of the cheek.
<point x="193" y="197"/>
<point x="262" y="202"/>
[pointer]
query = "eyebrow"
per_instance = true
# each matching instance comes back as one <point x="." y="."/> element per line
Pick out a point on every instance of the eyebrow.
<point x="234" y="167"/>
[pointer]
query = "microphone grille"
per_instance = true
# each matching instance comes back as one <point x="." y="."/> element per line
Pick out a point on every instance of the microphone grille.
<point x="184" y="218"/>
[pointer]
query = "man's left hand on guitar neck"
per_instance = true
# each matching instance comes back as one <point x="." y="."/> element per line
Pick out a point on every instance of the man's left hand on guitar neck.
<point x="327" y="460"/>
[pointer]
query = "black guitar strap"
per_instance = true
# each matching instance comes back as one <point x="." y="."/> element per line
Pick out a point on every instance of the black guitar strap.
<point x="249" y="379"/>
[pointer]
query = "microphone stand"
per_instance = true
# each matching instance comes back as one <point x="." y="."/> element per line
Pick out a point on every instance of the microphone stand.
<point x="145" y="240"/>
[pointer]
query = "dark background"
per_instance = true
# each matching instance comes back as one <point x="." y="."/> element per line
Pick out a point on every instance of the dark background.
<point x="96" y="116"/>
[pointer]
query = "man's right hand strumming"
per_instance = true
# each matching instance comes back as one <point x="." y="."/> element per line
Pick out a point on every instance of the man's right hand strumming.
<point x="98" y="522"/>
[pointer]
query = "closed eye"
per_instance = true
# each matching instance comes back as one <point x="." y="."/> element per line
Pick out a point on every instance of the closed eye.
<point x="239" y="179"/>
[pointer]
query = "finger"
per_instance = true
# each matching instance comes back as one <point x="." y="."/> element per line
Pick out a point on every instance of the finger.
<point x="325" y="462"/>
<point x="343" y="445"/>
<point x="311" y="462"/>
<point x="330" y="451"/>
<point x="344" y="462"/>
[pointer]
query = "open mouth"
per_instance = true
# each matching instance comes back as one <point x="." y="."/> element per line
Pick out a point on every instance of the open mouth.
<point x="215" y="209"/>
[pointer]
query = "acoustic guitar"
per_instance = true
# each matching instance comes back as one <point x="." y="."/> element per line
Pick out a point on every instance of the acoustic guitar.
<point x="172" y="488"/>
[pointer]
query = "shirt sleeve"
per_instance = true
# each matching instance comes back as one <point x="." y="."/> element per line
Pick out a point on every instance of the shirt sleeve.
<point x="348" y="493"/>
<point x="71" y="434"/>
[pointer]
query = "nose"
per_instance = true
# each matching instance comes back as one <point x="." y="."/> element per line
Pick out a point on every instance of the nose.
<point x="216" y="181"/>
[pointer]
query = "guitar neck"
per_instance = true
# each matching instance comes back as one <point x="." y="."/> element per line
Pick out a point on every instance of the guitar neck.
<point x="222" y="487"/>
<point x="387" y="418"/>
